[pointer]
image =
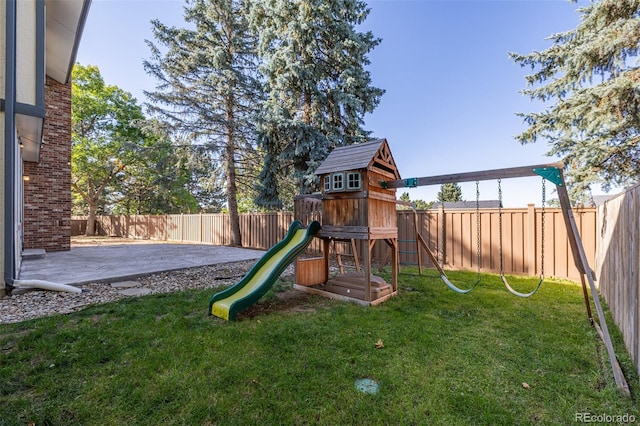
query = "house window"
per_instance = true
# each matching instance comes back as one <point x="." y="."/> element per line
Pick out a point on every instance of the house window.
<point x="338" y="182"/>
<point x="327" y="183"/>
<point x="353" y="180"/>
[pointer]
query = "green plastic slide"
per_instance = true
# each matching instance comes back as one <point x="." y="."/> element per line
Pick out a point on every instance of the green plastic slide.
<point x="227" y="303"/>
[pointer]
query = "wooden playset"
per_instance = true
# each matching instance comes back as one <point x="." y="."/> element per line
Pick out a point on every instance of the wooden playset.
<point x="358" y="204"/>
<point x="355" y="208"/>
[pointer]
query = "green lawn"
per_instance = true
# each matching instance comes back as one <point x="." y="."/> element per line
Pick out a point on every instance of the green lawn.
<point x="482" y="358"/>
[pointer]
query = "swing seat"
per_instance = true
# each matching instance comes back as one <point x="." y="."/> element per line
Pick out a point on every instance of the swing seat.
<point x="517" y="293"/>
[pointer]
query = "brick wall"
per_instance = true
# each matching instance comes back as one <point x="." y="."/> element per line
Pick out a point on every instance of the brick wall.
<point x="47" y="193"/>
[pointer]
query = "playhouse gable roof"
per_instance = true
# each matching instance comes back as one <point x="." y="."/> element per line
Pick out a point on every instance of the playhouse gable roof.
<point x="359" y="156"/>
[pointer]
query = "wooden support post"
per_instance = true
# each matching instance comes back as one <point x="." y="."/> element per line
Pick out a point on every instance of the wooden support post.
<point x="395" y="262"/>
<point x="325" y="250"/>
<point x="574" y="238"/>
<point x="580" y="259"/>
<point x="585" y="293"/>
<point x="431" y="255"/>
<point x="338" y="257"/>
<point x="416" y="232"/>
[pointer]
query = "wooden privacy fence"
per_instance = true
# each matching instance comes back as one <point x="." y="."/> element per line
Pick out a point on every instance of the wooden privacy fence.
<point x="618" y="264"/>
<point x="451" y="235"/>
<point x="259" y="230"/>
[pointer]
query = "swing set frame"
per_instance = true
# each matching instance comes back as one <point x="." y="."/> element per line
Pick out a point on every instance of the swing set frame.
<point x="553" y="173"/>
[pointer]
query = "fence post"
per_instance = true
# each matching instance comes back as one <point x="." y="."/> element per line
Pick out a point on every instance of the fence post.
<point x="279" y="222"/>
<point x="442" y="235"/>
<point x="531" y="239"/>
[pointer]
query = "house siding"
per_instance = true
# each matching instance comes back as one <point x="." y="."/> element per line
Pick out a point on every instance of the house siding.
<point x="2" y="190"/>
<point x="26" y="52"/>
<point x="3" y="47"/>
<point x="47" y="193"/>
<point x="2" y="131"/>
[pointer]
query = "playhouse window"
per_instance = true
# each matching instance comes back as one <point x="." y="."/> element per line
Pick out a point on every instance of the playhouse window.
<point x="338" y="181"/>
<point x="353" y="180"/>
<point x="327" y="183"/>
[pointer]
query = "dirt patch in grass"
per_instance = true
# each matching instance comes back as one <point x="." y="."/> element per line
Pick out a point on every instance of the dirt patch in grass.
<point x="289" y="300"/>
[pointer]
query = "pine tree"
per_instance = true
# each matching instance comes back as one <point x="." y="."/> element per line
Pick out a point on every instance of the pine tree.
<point x="422" y="204"/>
<point x="405" y="198"/>
<point x="209" y="88"/>
<point x="592" y="75"/>
<point x="318" y="89"/>
<point x="450" y="192"/>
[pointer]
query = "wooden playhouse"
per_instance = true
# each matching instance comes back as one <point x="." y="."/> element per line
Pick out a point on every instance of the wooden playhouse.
<point x="358" y="209"/>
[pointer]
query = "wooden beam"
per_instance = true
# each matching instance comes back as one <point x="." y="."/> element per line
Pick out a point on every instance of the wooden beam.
<point x="416" y="230"/>
<point x="324" y="293"/>
<point x="513" y="172"/>
<point x="345" y="195"/>
<point x="580" y="258"/>
<point x="347" y="233"/>
<point x="430" y="254"/>
<point x="326" y="254"/>
<point x="373" y="195"/>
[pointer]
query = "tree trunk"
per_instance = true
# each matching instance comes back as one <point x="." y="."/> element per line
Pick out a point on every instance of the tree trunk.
<point x="234" y="216"/>
<point x="91" y="219"/>
<point x="300" y="162"/>
<point x="230" y="172"/>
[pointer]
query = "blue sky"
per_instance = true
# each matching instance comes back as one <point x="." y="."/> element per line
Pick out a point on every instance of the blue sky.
<point x="452" y="91"/>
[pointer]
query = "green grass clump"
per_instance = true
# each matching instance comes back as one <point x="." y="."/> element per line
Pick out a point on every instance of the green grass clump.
<point x="482" y="358"/>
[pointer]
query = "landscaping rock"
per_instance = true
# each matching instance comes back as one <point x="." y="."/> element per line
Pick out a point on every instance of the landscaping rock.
<point x="125" y="284"/>
<point x="135" y="291"/>
<point x="40" y="303"/>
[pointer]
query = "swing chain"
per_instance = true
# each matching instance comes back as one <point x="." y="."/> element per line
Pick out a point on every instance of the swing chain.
<point x="544" y="196"/>
<point x="441" y="246"/>
<point x="504" y="279"/>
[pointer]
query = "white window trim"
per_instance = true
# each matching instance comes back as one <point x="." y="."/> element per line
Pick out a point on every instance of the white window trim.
<point x="327" y="183"/>
<point x="349" y="187"/>
<point x="334" y="181"/>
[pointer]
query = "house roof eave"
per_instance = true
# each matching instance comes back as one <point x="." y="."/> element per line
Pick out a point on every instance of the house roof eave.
<point x="64" y="26"/>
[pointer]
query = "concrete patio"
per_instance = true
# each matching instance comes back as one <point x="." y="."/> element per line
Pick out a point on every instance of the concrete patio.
<point x="119" y="262"/>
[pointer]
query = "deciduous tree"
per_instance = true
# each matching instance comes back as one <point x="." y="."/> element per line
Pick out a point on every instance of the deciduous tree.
<point x="103" y="136"/>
